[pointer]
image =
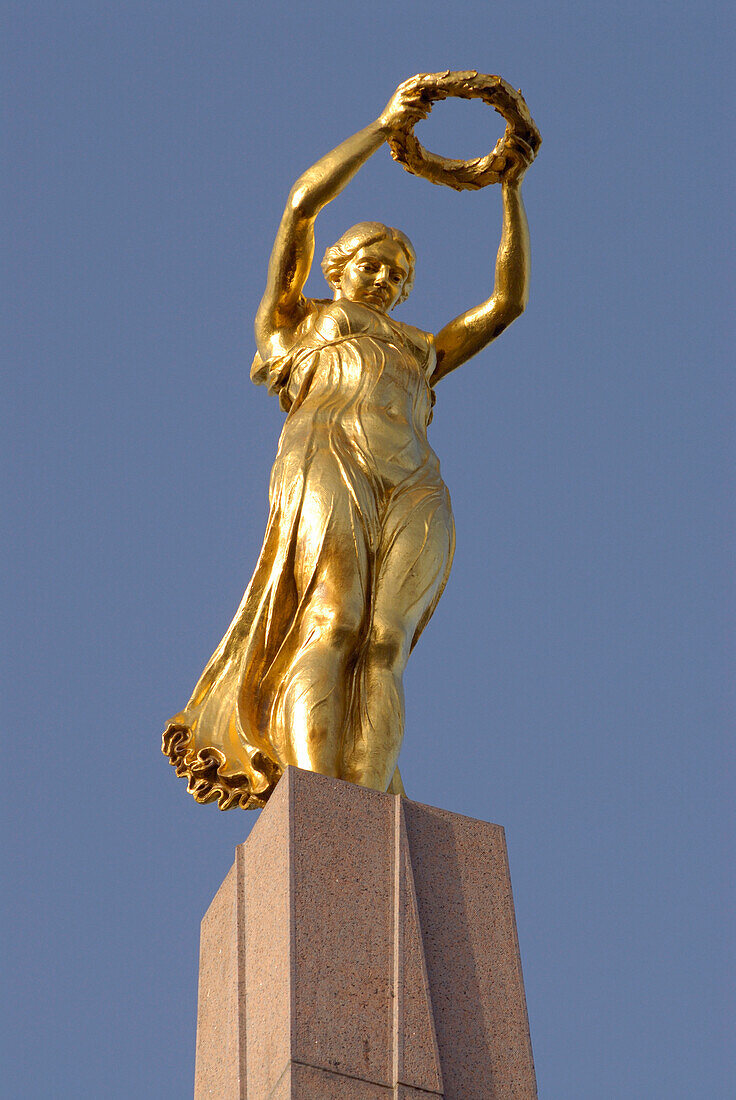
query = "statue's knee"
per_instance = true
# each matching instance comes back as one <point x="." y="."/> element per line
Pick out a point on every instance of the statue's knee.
<point x="388" y="643"/>
<point x="339" y="629"/>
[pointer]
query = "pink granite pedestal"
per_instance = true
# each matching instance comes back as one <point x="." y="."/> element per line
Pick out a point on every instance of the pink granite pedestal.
<point x="362" y="947"/>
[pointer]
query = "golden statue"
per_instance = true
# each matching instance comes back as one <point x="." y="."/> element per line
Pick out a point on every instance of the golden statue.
<point x="360" y="533"/>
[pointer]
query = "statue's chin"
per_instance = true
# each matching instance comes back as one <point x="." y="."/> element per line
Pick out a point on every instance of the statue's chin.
<point x="374" y="303"/>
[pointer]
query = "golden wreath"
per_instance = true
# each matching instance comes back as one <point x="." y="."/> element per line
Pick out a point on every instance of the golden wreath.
<point x="467" y="175"/>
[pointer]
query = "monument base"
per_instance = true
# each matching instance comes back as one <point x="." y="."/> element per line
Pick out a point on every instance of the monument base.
<point x="362" y="947"/>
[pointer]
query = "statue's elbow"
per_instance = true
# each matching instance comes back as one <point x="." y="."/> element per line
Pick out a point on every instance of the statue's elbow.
<point x="301" y="202"/>
<point x="508" y="311"/>
<point x="515" y="309"/>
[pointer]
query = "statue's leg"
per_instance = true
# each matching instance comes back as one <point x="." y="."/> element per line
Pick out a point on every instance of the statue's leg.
<point x="411" y="569"/>
<point x="332" y="578"/>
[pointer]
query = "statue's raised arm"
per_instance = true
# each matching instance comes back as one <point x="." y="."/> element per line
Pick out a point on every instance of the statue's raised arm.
<point x="469" y="333"/>
<point x="282" y="307"/>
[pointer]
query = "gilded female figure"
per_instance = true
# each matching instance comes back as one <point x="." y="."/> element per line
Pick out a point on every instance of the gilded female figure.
<point x="360" y="534"/>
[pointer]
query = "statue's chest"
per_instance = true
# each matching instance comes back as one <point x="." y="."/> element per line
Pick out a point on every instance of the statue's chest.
<point x="344" y="319"/>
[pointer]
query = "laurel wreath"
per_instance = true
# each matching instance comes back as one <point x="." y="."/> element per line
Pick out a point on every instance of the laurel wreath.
<point x="467" y="175"/>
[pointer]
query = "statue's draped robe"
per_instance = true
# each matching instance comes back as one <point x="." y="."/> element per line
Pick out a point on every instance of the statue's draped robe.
<point x="228" y="741"/>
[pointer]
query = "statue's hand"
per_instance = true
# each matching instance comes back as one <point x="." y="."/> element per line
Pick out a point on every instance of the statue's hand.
<point x="406" y="106"/>
<point x="519" y="156"/>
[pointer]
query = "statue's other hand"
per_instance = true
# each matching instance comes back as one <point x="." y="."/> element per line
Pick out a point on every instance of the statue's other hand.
<point x="406" y="106"/>
<point x="519" y="156"/>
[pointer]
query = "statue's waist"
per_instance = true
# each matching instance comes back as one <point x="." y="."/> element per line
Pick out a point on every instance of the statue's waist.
<point x="388" y="427"/>
<point x="390" y="450"/>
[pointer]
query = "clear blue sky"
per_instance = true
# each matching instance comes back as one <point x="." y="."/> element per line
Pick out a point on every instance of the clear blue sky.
<point x="573" y="683"/>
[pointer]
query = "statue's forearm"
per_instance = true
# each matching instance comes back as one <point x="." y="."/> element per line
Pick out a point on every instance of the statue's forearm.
<point x="471" y="331"/>
<point x="514" y="259"/>
<point x="327" y="178"/>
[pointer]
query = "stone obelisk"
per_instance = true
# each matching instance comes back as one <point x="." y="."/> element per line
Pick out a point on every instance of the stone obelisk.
<point x="362" y="947"/>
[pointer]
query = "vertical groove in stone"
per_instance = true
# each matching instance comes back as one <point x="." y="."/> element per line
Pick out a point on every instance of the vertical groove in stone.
<point x="288" y="779"/>
<point x="416" y="1053"/>
<point x="514" y="938"/>
<point x="398" y="991"/>
<point x="242" y="983"/>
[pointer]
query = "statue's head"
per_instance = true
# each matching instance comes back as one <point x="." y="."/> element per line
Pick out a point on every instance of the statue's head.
<point x="372" y="263"/>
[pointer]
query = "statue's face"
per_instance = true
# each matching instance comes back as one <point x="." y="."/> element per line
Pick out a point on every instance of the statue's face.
<point x="375" y="275"/>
